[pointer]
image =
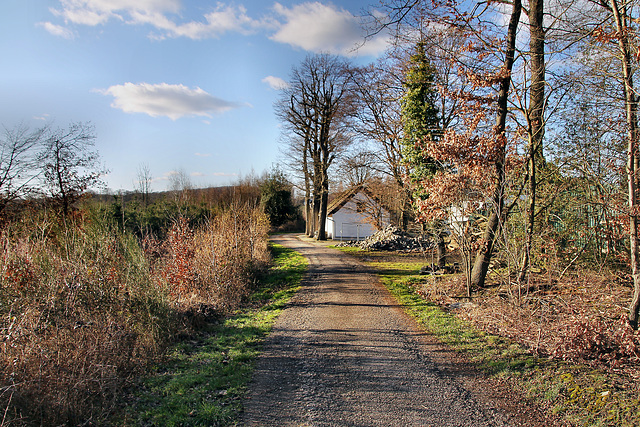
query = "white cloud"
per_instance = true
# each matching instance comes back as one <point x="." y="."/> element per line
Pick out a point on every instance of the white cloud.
<point x="275" y="82"/>
<point x="156" y="13"/>
<point x="173" y="101"/>
<point x="57" y="30"/>
<point x="44" y="117"/>
<point x="318" y="27"/>
<point x="312" y="26"/>
<point x="95" y="12"/>
<point x="224" y="19"/>
<point x="203" y="154"/>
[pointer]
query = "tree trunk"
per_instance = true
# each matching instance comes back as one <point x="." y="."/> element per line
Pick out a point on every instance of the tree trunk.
<point x="441" y="251"/>
<point x="307" y="215"/>
<point x="483" y="258"/>
<point x="324" y="202"/>
<point x="308" y="181"/>
<point x="315" y="215"/>
<point x="631" y="110"/>
<point x="536" y="122"/>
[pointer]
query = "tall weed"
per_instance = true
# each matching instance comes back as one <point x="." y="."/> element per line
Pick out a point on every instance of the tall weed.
<point x="84" y="307"/>
<point x="78" y="315"/>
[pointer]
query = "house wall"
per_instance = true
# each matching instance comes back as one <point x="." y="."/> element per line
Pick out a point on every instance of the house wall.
<point x="349" y="224"/>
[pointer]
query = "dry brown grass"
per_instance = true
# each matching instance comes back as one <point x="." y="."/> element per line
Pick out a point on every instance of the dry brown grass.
<point x="83" y="307"/>
<point x="580" y="317"/>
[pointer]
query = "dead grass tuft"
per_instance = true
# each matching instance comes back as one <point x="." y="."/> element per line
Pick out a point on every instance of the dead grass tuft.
<point x="580" y="318"/>
<point x="84" y="307"/>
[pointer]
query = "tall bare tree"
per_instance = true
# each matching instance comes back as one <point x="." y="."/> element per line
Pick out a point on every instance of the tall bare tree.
<point x="71" y="166"/>
<point x="295" y="150"/>
<point x="19" y="148"/>
<point x="143" y="183"/>
<point x="535" y="119"/>
<point x="313" y="107"/>
<point x="621" y="19"/>
<point x="378" y="120"/>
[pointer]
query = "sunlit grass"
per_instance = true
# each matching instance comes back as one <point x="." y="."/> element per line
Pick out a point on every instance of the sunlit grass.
<point x="204" y="377"/>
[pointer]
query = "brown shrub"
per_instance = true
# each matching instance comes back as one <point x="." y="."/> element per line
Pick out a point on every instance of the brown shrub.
<point x="608" y="341"/>
<point x="216" y="263"/>
<point x="84" y="307"/>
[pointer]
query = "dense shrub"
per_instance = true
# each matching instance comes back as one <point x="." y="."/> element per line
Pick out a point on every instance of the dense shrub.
<point x="84" y="306"/>
<point x="612" y="342"/>
<point x="216" y="263"/>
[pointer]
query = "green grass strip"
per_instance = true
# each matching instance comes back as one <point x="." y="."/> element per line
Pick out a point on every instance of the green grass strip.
<point x="582" y="395"/>
<point x="204" y="379"/>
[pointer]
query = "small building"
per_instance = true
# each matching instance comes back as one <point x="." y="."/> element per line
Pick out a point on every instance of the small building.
<point x="355" y="214"/>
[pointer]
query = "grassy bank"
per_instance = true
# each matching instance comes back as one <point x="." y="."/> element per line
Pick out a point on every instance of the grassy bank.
<point x="582" y="394"/>
<point x="204" y="377"/>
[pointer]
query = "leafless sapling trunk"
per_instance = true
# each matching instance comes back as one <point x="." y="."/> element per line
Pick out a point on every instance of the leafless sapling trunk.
<point x="481" y="264"/>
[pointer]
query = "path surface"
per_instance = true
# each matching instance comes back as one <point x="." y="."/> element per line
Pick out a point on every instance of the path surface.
<point x="342" y="354"/>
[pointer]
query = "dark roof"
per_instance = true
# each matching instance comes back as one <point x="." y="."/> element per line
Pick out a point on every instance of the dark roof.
<point x="344" y="197"/>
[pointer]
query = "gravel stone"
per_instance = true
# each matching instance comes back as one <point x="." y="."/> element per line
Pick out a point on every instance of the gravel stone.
<point x="344" y="354"/>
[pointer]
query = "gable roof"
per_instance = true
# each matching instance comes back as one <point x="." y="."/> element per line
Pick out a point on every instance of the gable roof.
<point x="344" y="197"/>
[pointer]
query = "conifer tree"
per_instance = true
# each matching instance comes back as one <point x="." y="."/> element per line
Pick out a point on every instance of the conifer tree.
<point x="420" y="113"/>
<point x="421" y="122"/>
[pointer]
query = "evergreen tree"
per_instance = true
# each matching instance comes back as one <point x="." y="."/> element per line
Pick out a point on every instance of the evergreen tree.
<point x="420" y="115"/>
<point x="422" y="122"/>
<point x="276" y="198"/>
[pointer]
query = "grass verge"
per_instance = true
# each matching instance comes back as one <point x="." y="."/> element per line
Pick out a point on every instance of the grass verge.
<point x="203" y="379"/>
<point x="580" y="394"/>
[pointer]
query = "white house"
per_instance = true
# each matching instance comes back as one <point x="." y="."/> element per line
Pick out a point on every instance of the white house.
<point x="355" y="215"/>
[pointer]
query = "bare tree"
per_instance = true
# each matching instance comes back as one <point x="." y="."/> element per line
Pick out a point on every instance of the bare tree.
<point x="313" y="108"/>
<point x="357" y="167"/>
<point x="378" y="90"/>
<point x="607" y="36"/>
<point x="70" y="165"/>
<point x="180" y="185"/>
<point x="621" y="19"/>
<point x="535" y="120"/>
<point x="143" y="183"/>
<point x="295" y="150"/>
<point x="18" y="166"/>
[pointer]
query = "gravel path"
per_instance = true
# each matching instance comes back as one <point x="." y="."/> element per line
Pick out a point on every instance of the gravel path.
<point x="342" y="354"/>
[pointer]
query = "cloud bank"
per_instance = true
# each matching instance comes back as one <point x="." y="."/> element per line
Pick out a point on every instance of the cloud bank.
<point x="172" y="101"/>
<point x="312" y="26"/>
<point x="159" y="14"/>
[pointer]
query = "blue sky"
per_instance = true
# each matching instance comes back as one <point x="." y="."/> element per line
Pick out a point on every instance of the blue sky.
<point x="183" y="85"/>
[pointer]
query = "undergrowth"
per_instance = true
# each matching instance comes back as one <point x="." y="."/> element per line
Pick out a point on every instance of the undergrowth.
<point x="84" y="307"/>
<point x="204" y="377"/>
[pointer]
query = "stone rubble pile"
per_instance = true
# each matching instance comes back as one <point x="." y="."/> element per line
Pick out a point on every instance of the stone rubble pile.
<point x="392" y="238"/>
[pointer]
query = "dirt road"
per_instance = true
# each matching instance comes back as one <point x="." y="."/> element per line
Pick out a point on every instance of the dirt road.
<point x="342" y="354"/>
